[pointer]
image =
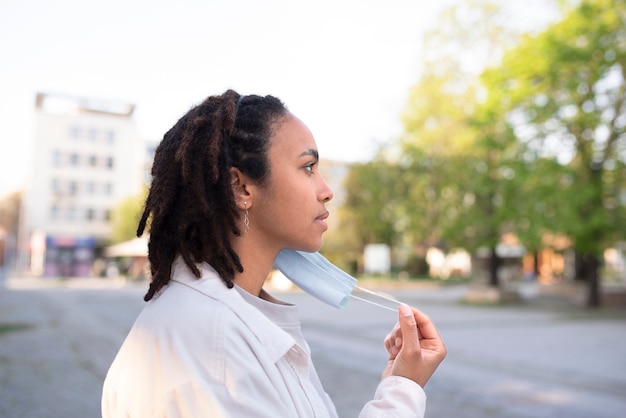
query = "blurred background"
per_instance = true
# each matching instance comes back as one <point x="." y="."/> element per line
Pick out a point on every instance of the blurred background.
<point x="478" y="145"/>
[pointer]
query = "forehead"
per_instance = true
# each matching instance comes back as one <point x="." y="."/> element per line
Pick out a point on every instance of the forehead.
<point x="291" y="138"/>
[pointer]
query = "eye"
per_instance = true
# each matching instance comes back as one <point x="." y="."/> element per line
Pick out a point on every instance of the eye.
<point x="310" y="168"/>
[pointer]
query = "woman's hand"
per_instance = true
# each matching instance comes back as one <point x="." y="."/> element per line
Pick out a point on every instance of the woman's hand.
<point x="415" y="347"/>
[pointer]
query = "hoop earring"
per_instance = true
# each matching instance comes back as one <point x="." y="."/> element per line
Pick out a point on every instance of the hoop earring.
<point x="246" y="220"/>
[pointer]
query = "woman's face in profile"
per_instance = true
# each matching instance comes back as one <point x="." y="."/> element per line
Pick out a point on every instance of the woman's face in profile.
<point x="291" y="213"/>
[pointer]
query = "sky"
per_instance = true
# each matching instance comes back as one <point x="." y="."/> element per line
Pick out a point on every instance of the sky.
<point x="344" y="67"/>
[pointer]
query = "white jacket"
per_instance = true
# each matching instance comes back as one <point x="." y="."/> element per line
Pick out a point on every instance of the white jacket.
<point x="199" y="349"/>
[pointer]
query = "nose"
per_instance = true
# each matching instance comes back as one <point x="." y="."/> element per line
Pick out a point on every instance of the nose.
<point x="325" y="193"/>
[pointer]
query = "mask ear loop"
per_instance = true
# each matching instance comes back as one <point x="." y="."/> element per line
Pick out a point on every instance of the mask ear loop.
<point x="380" y="305"/>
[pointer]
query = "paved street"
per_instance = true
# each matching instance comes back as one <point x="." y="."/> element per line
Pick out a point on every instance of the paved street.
<point x="509" y="362"/>
<point x="56" y="343"/>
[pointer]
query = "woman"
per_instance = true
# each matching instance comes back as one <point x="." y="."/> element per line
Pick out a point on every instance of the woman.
<point x="235" y="181"/>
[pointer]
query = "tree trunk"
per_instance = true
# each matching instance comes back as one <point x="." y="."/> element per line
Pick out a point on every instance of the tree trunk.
<point x="580" y="266"/>
<point x="494" y="264"/>
<point x="592" y="263"/>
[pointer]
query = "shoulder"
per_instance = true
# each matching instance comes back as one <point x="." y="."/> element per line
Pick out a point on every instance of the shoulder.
<point x="180" y="332"/>
<point x="195" y="330"/>
<point x="202" y="308"/>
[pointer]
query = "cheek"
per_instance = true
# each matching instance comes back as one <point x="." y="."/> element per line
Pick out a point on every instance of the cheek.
<point x="288" y="196"/>
<point x="276" y="204"/>
<point x="283" y="193"/>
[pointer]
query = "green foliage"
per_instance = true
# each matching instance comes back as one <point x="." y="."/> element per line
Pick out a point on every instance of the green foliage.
<point x="535" y="146"/>
<point x="370" y="208"/>
<point x="564" y="93"/>
<point x="125" y="217"/>
<point x="458" y="150"/>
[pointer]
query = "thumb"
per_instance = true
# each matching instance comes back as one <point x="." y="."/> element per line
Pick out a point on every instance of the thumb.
<point x="408" y="326"/>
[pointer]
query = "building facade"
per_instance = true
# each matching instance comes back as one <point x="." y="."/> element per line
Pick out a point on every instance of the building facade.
<point x="87" y="157"/>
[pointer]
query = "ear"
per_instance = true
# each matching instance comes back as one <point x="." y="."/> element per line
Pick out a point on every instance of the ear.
<point x="242" y="188"/>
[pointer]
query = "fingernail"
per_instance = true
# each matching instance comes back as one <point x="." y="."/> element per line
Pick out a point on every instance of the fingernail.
<point x="405" y="310"/>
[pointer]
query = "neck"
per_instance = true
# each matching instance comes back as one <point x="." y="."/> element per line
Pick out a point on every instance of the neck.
<point x="257" y="262"/>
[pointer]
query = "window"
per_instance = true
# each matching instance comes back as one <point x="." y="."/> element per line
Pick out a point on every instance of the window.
<point x="57" y="158"/>
<point x="71" y="213"/>
<point x="73" y="188"/>
<point x="75" y="132"/>
<point x="107" y="215"/>
<point x="108" y="189"/>
<point x="110" y="136"/>
<point x="55" y="186"/>
<point x="89" y="214"/>
<point x="93" y="161"/>
<point x="90" y="187"/>
<point x="109" y="162"/>
<point x="93" y="134"/>
<point x="54" y="212"/>
<point x="74" y="159"/>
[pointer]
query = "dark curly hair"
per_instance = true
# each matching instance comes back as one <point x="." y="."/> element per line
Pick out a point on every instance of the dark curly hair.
<point x="191" y="206"/>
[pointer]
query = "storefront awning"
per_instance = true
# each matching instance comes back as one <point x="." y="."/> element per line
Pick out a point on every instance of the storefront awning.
<point x="137" y="247"/>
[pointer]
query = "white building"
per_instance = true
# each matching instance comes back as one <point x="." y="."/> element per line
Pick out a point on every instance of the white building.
<point x="87" y="158"/>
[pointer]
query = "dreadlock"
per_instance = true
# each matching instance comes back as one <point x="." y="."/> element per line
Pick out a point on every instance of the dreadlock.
<point x="191" y="206"/>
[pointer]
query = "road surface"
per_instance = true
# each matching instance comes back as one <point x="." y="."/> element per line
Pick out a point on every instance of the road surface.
<point x="57" y="341"/>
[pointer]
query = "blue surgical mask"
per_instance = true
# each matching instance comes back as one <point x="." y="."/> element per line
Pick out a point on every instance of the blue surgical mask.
<point x="323" y="280"/>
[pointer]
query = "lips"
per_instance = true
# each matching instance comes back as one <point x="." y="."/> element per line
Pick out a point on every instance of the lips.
<point x="323" y="216"/>
<point x="320" y="220"/>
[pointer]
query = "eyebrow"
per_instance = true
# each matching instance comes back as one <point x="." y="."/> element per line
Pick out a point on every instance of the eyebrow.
<point x="312" y="152"/>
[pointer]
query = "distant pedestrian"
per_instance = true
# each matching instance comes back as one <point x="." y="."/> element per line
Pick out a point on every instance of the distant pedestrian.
<point x="235" y="181"/>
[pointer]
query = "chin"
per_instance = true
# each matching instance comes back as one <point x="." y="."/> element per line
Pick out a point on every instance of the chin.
<point x="309" y="248"/>
<point x="316" y="247"/>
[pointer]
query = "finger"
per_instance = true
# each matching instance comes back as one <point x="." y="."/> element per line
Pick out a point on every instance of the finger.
<point x="426" y="328"/>
<point x="391" y="338"/>
<point x="393" y="345"/>
<point x="408" y="325"/>
<point x="395" y="348"/>
<point x="388" y="343"/>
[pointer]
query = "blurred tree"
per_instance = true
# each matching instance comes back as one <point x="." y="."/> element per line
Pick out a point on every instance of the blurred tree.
<point x="125" y="218"/>
<point x="459" y="156"/>
<point x="564" y="92"/>
<point x="9" y="225"/>
<point x="437" y="133"/>
<point x="10" y="212"/>
<point x="370" y="210"/>
<point x="539" y="193"/>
